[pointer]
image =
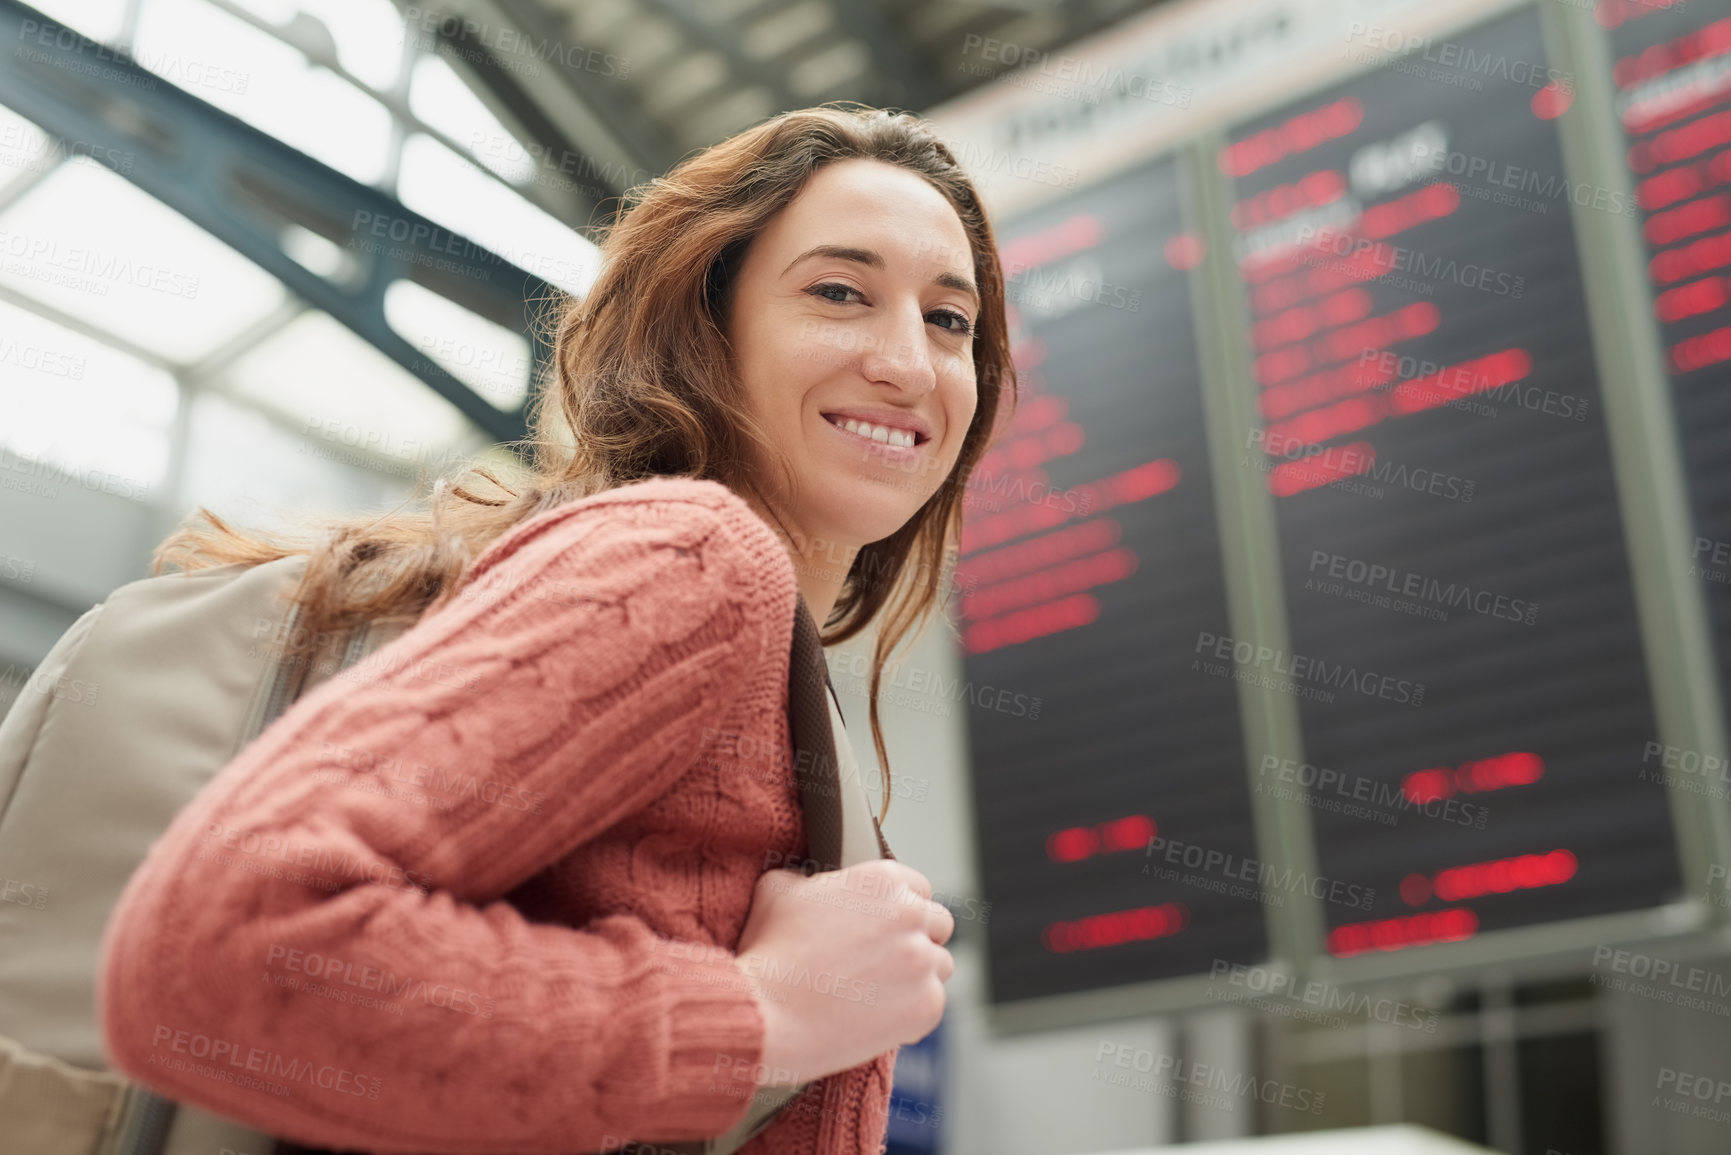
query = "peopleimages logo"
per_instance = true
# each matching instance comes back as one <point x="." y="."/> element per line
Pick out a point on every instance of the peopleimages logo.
<point x="1682" y="1086"/>
<point x="1263" y="874"/>
<point x="1349" y="468"/>
<point x="916" y="680"/>
<point x="1410" y="48"/>
<point x="261" y="850"/>
<point x="1387" y="797"/>
<point x="242" y="1060"/>
<point x="1308" y="669"/>
<point x="1267" y="989"/>
<point x="1672" y="974"/>
<point x="1344" y="251"/>
<point x="23" y="893"/>
<point x="42" y="257"/>
<point x="770" y="970"/>
<point x="455" y="784"/>
<point x="470" y="36"/>
<point x="1374" y="579"/>
<point x="329" y="969"/>
<point x="1166" y="1071"/>
<point x="1066" y="76"/>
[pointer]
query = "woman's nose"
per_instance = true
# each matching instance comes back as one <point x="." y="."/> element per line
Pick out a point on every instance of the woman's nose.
<point x="899" y="355"/>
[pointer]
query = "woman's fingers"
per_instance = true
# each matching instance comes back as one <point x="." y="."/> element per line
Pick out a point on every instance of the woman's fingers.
<point x="940" y="924"/>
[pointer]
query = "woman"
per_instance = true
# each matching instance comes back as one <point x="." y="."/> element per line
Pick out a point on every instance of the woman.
<point x="566" y="936"/>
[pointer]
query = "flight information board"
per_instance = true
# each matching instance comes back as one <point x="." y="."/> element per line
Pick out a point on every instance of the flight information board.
<point x="1464" y="648"/>
<point x="1672" y="72"/>
<point x="1090" y="568"/>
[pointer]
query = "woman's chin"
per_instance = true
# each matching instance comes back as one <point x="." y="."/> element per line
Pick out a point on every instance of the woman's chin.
<point x="869" y="510"/>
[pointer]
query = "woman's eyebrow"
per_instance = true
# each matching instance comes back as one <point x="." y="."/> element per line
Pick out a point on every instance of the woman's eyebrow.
<point x="841" y="253"/>
<point x="874" y="259"/>
<point x="957" y="281"/>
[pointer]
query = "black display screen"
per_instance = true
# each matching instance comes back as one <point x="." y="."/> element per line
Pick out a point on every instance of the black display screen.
<point x="1091" y="566"/>
<point x="1464" y="647"/>
<point x="1672" y="72"/>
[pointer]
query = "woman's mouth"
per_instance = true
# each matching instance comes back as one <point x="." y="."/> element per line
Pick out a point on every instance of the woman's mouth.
<point x="888" y="436"/>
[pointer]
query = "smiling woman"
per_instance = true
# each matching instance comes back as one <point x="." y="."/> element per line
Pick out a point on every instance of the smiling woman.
<point x="830" y="260"/>
<point x="763" y="418"/>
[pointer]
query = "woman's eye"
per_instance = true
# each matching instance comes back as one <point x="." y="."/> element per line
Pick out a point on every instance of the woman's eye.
<point x="961" y="324"/>
<point x="828" y="288"/>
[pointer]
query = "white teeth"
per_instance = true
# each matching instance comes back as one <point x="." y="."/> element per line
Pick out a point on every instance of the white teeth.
<point x="883" y="433"/>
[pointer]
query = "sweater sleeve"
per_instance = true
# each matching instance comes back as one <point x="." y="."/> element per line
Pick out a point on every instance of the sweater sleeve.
<point x="254" y="959"/>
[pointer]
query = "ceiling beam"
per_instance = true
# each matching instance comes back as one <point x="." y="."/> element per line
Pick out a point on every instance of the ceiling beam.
<point x="570" y="91"/>
<point x="249" y="190"/>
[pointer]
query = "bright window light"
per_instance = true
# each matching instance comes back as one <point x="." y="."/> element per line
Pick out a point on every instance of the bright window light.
<point x="242" y="70"/>
<point x="368" y="33"/>
<point x="321" y="255"/>
<point x="347" y="398"/>
<point x="75" y="402"/>
<point x="369" y="36"/>
<point x="24" y="149"/>
<point x="490" y="359"/>
<point x="246" y="468"/>
<point x="440" y="98"/>
<point x="102" y="20"/>
<point x="92" y="245"/>
<point x="456" y="193"/>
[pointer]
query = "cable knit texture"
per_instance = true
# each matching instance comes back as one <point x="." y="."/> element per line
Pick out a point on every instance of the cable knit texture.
<point x="466" y="896"/>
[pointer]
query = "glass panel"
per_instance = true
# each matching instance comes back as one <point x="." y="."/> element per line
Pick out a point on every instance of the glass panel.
<point x="92" y="245"/>
<point x="318" y="254"/>
<point x="221" y="59"/>
<point x="349" y="400"/>
<point x="441" y="99"/>
<point x="369" y="36"/>
<point x="489" y="358"/>
<point x="276" y="11"/>
<point x="245" y="468"/>
<point x="439" y="184"/>
<point x="368" y="33"/>
<point x="98" y="19"/>
<point x="24" y="149"/>
<point x="99" y="417"/>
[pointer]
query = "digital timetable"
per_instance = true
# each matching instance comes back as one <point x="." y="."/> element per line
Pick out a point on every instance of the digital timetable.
<point x="1092" y="563"/>
<point x="1444" y="496"/>
<point x="1477" y="746"/>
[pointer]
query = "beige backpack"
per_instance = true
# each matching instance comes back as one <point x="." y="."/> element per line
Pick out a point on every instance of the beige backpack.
<point x="132" y="711"/>
<point x="142" y="700"/>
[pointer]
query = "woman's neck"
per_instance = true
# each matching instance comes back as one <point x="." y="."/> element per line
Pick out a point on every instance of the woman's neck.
<point x="820" y="566"/>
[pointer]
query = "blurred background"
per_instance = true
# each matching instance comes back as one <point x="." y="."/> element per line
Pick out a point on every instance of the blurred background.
<point x="1329" y="734"/>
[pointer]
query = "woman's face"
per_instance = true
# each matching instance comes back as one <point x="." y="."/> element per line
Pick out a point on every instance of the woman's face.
<point x="851" y="326"/>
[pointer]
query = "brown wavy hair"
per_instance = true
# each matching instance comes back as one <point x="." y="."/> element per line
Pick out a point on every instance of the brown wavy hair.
<point x="643" y="385"/>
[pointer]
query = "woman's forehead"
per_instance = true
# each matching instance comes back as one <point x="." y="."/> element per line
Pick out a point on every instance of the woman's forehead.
<point x="874" y="206"/>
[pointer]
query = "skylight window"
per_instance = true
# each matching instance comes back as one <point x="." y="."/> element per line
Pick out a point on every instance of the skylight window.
<point x="88" y="243"/>
<point x="70" y="400"/>
<point x="456" y="193"/>
<point x="243" y="70"/>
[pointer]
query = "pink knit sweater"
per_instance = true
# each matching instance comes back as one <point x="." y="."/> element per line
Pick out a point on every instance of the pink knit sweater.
<point x="458" y="898"/>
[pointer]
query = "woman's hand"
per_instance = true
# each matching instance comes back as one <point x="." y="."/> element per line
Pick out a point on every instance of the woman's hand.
<point x="846" y="965"/>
